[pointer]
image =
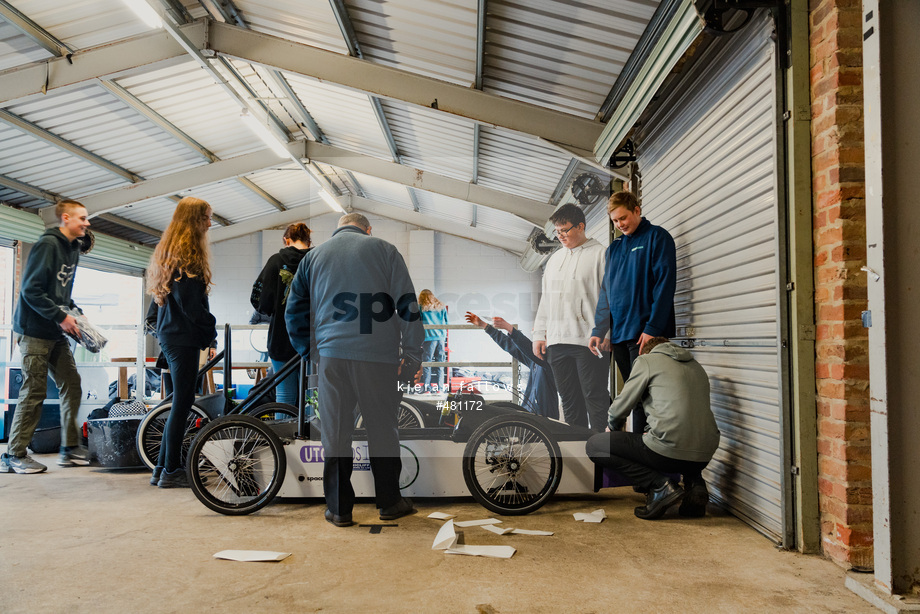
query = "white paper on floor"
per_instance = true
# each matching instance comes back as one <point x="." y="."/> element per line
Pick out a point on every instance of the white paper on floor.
<point x="497" y="530"/>
<point x="497" y="552"/>
<point x="530" y="532"/>
<point x="250" y="556"/>
<point x="446" y="537"/>
<point x="595" y="516"/>
<point x="441" y="516"/>
<point x="477" y="523"/>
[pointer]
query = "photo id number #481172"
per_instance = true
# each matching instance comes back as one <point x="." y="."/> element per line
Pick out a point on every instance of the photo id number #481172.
<point x="461" y="406"/>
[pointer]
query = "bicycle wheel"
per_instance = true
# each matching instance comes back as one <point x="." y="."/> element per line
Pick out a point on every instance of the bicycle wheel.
<point x="273" y="411"/>
<point x="409" y="417"/>
<point x="236" y="465"/>
<point x="150" y="433"/>
<point x="511" y="465"/>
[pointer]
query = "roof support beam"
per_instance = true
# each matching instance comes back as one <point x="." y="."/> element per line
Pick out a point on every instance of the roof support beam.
<point x="274" y="202"/>
<point x="34" y="31"/>
<point x="481" y="11"/>
<point x="433" y="223"/>
<point x="402" y="85"/>
<point x="263" y="222"/>
<point x="587" y="157"/>
<point x="28" y="189"/>
<point x="114" y="219"/>
<point x="132" y="101"/>
<point x="168" y="185"/>
<point x="95" y="63"/>
<point x="71" y="148"/>
<point x="533" y="211"/>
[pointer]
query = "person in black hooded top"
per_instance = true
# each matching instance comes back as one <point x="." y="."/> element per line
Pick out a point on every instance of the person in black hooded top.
<point x="179" y="277"/>
<point x="269" y="297"/>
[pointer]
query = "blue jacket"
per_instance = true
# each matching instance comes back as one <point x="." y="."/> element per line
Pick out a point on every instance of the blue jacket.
<point x="435" y="316"/>
<point x="352" y="298"/>
<point x="637" y="295"/>
<point x="540" y="396"/>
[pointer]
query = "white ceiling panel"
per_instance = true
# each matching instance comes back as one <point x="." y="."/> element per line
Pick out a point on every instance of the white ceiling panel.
<point x="311" y="22"/>
<point x="519" y="164"/>
<point x="16" y="48"/>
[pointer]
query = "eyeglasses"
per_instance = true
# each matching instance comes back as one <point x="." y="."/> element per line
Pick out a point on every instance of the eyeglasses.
<point x="564" y="232"/>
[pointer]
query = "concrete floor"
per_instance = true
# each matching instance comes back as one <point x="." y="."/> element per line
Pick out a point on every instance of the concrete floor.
<point x="94" y="540"/>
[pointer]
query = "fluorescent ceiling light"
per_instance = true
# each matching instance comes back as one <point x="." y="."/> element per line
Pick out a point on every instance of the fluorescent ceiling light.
<point x="265" y="134"/>
<point x="145" y="12"/>
<point x="331" y="201"/>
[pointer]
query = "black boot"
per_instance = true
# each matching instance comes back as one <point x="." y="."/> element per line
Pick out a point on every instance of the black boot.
<point x="659" y="500"/>
<point x="694" y="503"/>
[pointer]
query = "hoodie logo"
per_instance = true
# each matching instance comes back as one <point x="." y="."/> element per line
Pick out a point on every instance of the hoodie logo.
<point x="65" y="275"/>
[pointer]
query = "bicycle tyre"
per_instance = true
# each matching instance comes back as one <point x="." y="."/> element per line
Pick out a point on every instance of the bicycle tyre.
<point x="511" y="465"/>
<point x="149" y="436"/>
<point x="236" y="465"/>
<point x="409" y="417"/>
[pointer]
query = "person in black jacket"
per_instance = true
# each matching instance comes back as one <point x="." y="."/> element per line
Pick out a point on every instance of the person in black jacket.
<point x="540" y="396"/>
<point x="179" y="277"/>
<point x="269" y="297"/>
<point x="40" y="321"/>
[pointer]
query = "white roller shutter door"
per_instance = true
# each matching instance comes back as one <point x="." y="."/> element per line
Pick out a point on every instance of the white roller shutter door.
<point x="708" y="165"/>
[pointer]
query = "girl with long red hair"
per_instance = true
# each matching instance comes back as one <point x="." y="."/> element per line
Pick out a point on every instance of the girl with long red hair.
<point x="179" y="278"/>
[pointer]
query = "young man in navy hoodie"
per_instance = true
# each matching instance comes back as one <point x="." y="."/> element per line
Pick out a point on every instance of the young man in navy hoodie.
<point x="636" y="302"/>
<point x="47" y="283"/>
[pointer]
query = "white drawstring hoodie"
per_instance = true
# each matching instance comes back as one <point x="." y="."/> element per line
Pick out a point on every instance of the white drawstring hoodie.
<point x="571" y="284"/>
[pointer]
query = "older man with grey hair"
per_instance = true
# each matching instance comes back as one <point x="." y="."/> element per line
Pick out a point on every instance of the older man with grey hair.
<point x="353" y="309"/>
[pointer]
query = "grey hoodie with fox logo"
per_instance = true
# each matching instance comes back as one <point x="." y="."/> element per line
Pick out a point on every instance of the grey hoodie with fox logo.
<point x="47" y="284"/>
<point x="674" y="391"/>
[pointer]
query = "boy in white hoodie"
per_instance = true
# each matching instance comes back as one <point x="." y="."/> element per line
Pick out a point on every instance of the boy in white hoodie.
<point x="571" y="285"/>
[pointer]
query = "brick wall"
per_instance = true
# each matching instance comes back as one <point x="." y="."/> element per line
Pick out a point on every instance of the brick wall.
<point x="842" y="363"/>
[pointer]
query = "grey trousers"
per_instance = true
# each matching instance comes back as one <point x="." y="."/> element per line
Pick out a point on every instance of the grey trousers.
<point x="39" y="358"/>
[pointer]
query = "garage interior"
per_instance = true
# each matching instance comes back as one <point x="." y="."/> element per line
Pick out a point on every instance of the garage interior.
<point x="457" y="127"/>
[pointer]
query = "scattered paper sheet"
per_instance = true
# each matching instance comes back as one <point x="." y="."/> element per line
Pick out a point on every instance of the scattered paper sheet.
<point x="446" y="537"/>
<point x="595" y="516"/>
<point x="250" y="556"/>
<point x="477" y="523"/>
<point x="441" y="516"/>
<point x="496" y="530"/>
<point x="496" y="552"/>
<point x="530" y="532"/>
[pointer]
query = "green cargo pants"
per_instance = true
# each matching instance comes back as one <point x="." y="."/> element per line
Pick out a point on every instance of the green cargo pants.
<point x="39" y="358"/>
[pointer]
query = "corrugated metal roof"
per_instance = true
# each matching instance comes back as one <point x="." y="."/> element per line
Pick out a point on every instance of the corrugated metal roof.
<point x="519" y="164"/>
<point x="503" y="223"/>
<point x="155" y="212"/>
<point x="444" y="207"/>
<point x="16" y="48"/>
<point x="560" y="54"/>
<point x="432" y="141"/>
<point x="311" y="22"/>
<point x="385" y="191"/>
<point x="435" y="38"/>
<point x="83" y="23"/>
<point x="42" y="165"/>
<point x="345" y="116"/>
<point x="97" y="121"/>
<point x="188" y="97"/>
<point x="18" y="199"/>
<point x="289" y="184"/>
<point x="231" y="199"/>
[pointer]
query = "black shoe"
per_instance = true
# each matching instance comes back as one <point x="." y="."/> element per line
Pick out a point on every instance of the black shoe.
<point x="339" y="521"/>
<point x="173" y="479"/>
<point x="155" y="478"/>
<point x="695" y="500"/>
<point x="659" y="500"/>
<point x="401" y="508"/>
<point x="640" y="489"/>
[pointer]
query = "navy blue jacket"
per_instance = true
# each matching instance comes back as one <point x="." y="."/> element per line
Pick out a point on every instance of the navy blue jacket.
<point x="637" y="295"/>
<point x="185" y="319"/>
<point x="540" y="396"/>
<point x="46" y="286"/>
<point x="352" y="298"/>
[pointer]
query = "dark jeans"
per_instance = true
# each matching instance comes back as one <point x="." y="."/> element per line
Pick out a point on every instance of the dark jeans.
<point x="432" y="351"/>
<point x="183" y="370"/>
<point x="581" y="378"/>
<point x="372" y="386"/>
<point x="628" y="454"/>
<point x="625" y="354"/>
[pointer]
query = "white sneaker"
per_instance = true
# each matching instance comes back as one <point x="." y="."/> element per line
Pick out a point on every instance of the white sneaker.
<point x="21" y="464"/>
